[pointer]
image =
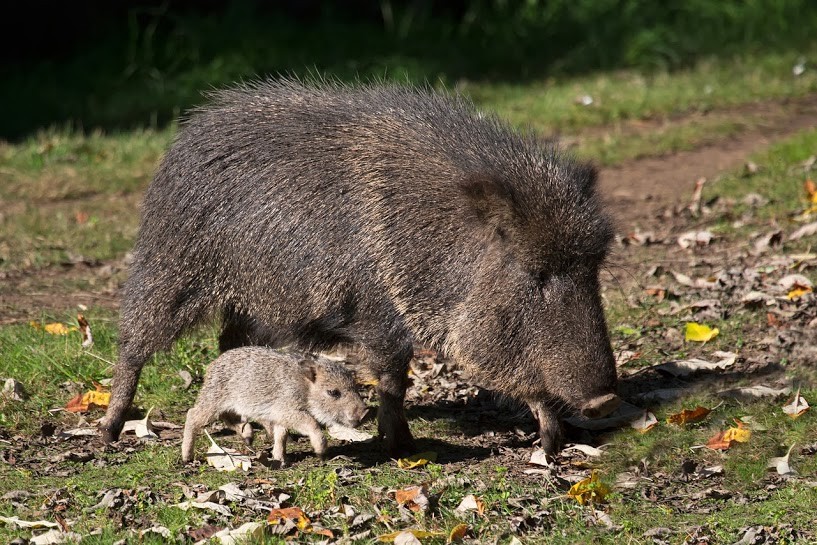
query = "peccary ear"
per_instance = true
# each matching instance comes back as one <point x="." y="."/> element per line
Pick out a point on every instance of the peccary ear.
<point x="490" y="202"/>
<point x="587" y="176"/>
<point x="309" y="370"/>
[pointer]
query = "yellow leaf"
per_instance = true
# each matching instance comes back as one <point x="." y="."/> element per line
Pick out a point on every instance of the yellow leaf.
<point x="798" y="292"/>
<point x="58" y="329"/>
<point x="457" y="533"/>
<point x="724" y="439"/>
<point x="589" y="490"/>
<point x="87" y="401"/>
<point x="700" y="333"/>
<point x="417" y="460"/>
<point x="419" y="534"/>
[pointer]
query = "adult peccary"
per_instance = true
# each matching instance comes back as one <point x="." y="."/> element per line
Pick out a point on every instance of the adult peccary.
<point x="279" y="390"/>
<point x="381" y="215"/>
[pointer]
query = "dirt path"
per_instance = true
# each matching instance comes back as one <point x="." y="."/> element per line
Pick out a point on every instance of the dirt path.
<point x="636" y="190"/>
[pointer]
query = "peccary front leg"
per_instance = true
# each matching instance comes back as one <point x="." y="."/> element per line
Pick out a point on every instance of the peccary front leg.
<point x="392" y="426"/>
<point x="550" y="429"/>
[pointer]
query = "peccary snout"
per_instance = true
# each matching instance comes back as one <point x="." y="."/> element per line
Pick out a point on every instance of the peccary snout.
<point x="601" y="406"/>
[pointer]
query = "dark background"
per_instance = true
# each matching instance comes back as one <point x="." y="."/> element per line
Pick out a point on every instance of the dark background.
<point x="117" y="65"/>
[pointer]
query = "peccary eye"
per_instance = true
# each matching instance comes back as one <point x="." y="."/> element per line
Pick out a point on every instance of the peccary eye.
<point x="335" y="394"/>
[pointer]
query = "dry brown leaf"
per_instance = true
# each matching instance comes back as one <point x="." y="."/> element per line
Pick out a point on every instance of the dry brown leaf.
<point x="294" y="514"/>
<point x="85" y="330"/>
<point x="457" y="533"/>
<point x="689" y="416"/>
<point x="419" y="534"/>
<point x="414" y="498"/>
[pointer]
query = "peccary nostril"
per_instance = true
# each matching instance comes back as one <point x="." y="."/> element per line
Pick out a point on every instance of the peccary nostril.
<point x="601" y="406"/>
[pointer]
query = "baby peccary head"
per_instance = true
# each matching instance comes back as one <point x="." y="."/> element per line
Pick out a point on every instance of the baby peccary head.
<point x="331" y="396"/>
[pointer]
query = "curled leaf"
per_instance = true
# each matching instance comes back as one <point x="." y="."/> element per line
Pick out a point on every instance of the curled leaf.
<point x="589" y="490"/>
<point x="85" y="329"/>
<point x="471" y="503"/>
<point x="645" y="422"/>
<point x="457" y="533"/>
<point x="699" y="332"/>
<point x="226" y="459"/>
<point x="417" y="460"/>
<point x="797" y="406"/>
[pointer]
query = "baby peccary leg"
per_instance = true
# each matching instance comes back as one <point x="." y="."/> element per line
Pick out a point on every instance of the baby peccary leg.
<point x="305" y="424"/>
<point x="279" y="447"/>
<point x="550" y="430"/>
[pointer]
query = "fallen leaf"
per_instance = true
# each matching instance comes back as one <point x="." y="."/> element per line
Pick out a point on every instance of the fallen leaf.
<point x="797" y="406"/>
<point x="419" y="534"/>
<point x="55" y="537"/>
<point x="98" y="398"/>
<point x="586" y="449"/>
<point x="725" y="439"/>
<point x="417" y="460"/>
<point x="589" y="490"/>
<point x="794" y="281"/>
<point x="805" y="231"/>
<point x="13" y="390"/>
<point x="754" y="392"/>
<point x="344" y="433"/>
<point x="645" y="422"/>
<point x="781" y="464"/>
<point x="293" y="514"/>
<point x="695" y="238"/>
<point x="471" y="503"/>
<point x="699" y="332"/>
<point x="683" y="368"/>
<point x="226" y="459"/>
<point x="540" y="458"/>
<point x="689" y="416"/>
<point x="85" y="330"/>
<point x="19" y="523"/>
<point x="413" y="497"/>
<point x="797" y="293"/>
<point x="208" y="505"/>
<point x="142" y="428"/>
<point x="161" y="530"/>
<point x="457" y="533"/>
<point x="58" y="329"/>
<point x="249" y="532"/>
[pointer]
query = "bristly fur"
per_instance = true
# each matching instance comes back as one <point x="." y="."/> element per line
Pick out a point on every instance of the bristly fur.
<point x="321" y="213"/>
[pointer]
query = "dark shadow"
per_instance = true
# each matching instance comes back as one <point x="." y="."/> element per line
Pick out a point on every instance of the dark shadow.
<point x="119" y="65"/>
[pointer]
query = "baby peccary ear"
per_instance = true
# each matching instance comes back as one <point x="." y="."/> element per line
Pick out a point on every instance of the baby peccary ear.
<point x="309" y="370"/>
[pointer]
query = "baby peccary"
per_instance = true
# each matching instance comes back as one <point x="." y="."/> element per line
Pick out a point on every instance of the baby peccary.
<point x="279" y="390"/>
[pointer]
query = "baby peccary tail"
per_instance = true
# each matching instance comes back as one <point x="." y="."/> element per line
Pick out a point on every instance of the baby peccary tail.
<point x="281" y="391"/>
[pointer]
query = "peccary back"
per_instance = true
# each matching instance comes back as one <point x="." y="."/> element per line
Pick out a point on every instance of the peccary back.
<point x="381" y="215"/>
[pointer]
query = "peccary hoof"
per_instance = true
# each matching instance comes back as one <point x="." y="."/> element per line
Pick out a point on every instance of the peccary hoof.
<point x="110" y="433"/>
